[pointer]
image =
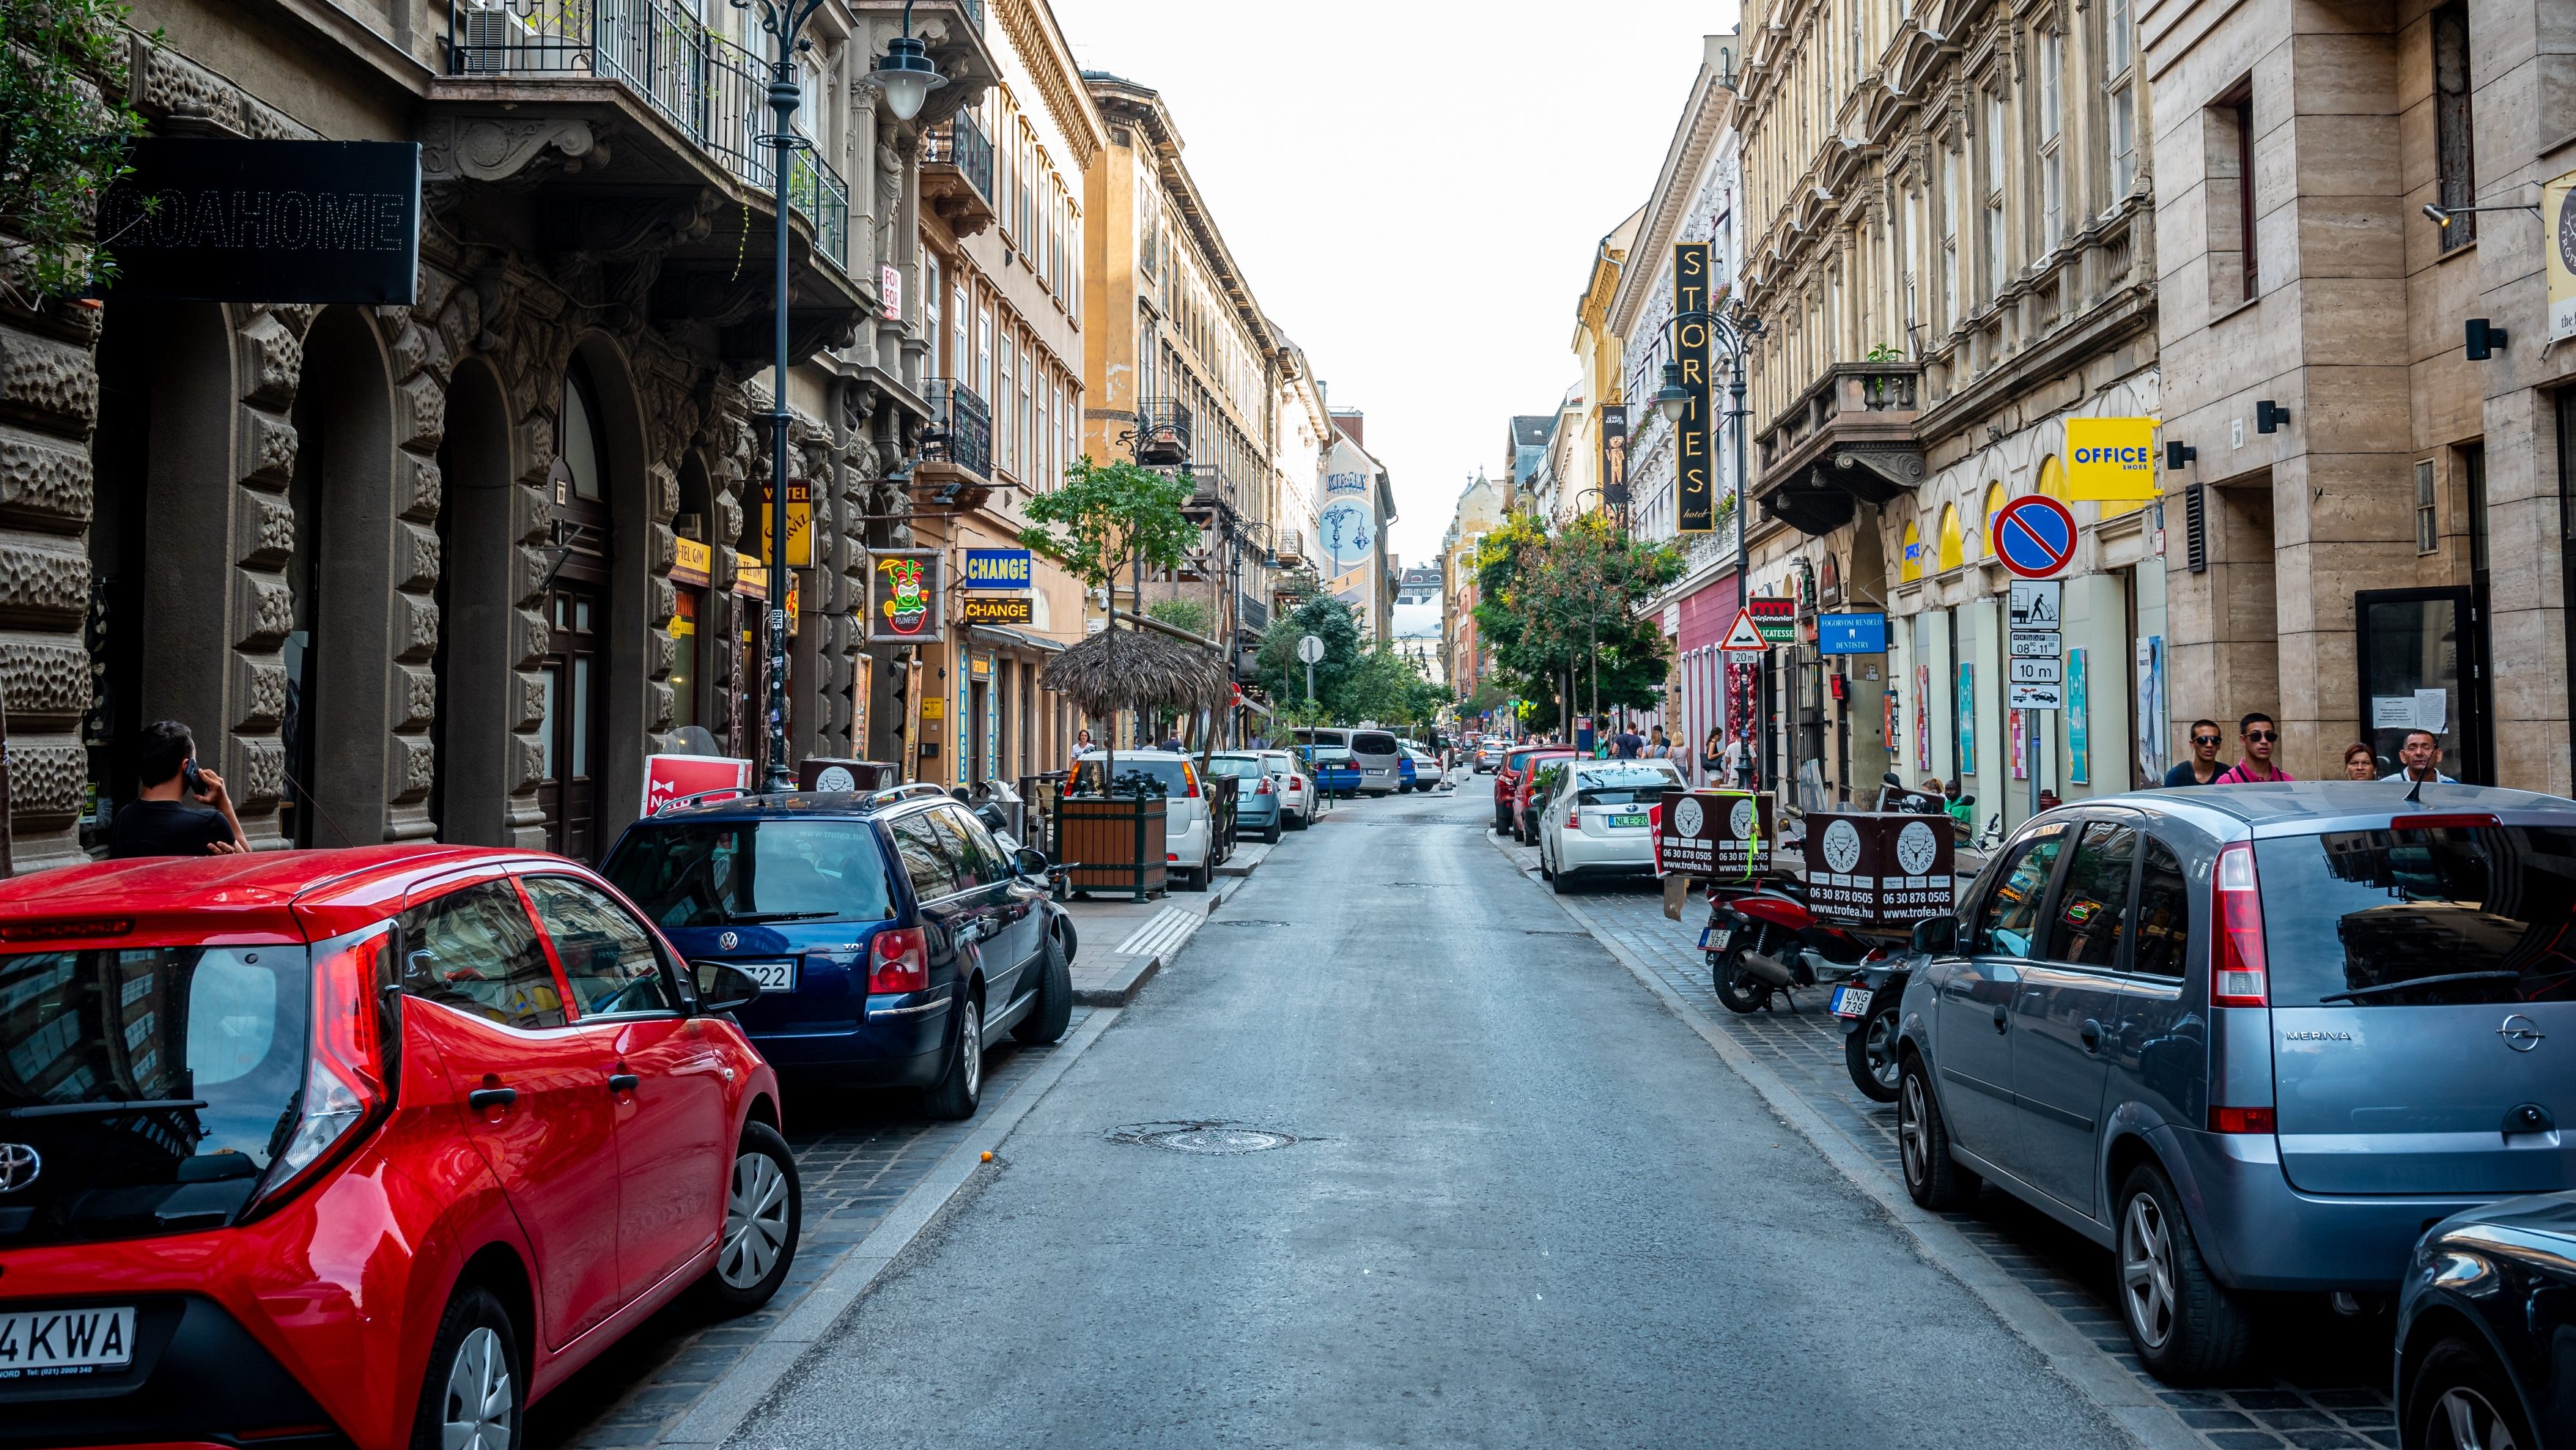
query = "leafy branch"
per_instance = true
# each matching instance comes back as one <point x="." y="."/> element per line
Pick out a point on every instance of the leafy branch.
<point x="62" y="142"/>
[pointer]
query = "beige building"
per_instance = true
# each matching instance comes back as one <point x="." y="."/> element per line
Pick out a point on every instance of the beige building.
<point x="2390" y="549"/>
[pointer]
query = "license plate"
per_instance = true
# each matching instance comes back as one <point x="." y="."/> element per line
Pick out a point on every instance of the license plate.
<point x="65" y="1341"/>
<point x="1628" y="820"/>
<point x="1852" y="1001"/>
<point x="1714" y="939"/>
<point x="772" y="976"/>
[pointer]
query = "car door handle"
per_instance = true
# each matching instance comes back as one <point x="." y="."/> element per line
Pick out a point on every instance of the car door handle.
<point x="623" y="1082"/>
<point x="2091" y="1032"/>
<point x="2003" y="1017"/>
<point x="483" y="1099"/>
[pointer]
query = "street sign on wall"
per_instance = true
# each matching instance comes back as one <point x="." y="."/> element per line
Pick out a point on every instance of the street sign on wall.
<point x="207" y="220"/>
<point x="2034" y="536"/>
<point x="1852" y="634"/>
<point x="997" y="569"/>
<point x="1006" y="609"/>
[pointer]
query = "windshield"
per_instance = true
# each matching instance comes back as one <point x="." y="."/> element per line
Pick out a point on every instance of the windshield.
<point x="2413" y="917"/>
<point x="155" y="1082"/>
<point x="708" y="873"/>
<point x="1621" y="786"/>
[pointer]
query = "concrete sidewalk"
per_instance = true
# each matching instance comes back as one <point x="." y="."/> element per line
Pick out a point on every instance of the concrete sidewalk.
<point x="1122" y="943"/>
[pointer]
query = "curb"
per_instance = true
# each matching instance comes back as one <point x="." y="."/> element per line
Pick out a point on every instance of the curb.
<point x="731" y="1402"/>
<point x="1119" y="994"/>
<point x="2074" y="1358"/>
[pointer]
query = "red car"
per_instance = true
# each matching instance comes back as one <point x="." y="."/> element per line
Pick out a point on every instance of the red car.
<point x="1523" y="828"/>
<point x="369" y="1147"/>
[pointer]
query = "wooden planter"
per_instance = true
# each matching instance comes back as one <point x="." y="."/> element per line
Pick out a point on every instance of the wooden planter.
<point x="1112" y="845"/>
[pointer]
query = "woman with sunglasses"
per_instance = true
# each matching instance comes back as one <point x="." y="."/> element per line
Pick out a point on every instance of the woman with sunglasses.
<point x="2262" y="740"/>
<point x="2201" y="766"/>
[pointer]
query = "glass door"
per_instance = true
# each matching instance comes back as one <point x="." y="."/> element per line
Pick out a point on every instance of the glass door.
<point x="2423" y="668"/>
<point x="569" y="736"/>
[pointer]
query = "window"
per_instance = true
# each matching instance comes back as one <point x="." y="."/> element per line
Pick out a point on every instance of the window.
<point x="2454" y="147"/>
<point x="2010" y="916"/>
<point x="608" y="958"/>
<point x="2427" y="536"/>
<point x="706" y="874"/>
<point x="958" y="365"/>
<point x="2120" y="136"/>
<point x="984" y="354"/>
<point x="2092" y="908"/>
<point x="2244" y="113"/>
<point x="979" y="859"/>
<point x="1006" y="453"/>
<point x="2164" y="916"/>
<point x="1996" y="259"/>
<point x="925" y="860"/>
<point x="475" y="950"/>
<point x="930" y="303"/>
<point x="2052" y="153"/>
<point x="2473" y="913"/>
<point x="1949" y="238"/>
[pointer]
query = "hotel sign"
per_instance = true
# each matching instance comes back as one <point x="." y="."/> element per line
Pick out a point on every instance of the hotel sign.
<point x="1695" y="510"/>
<point x="205" y="220"/>
<point x="1614" y="454"/>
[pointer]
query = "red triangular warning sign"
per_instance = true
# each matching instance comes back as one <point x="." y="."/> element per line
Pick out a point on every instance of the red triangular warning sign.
<point x="1743" y="638"/>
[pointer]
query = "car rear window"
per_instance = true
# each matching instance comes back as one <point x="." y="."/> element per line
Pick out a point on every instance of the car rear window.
<point x="1372" y="742"/>
<point x="1238" y="766"/>
<point x="155" y="1083"/>
<point x="2419" y="916"/>
<point x="708" y="873"/>
<point x="1632" y="785"/>
<point x="1173" y="776"/>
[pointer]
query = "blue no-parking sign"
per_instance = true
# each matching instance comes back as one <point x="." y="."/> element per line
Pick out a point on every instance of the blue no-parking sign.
<point x="2035" y="536"/>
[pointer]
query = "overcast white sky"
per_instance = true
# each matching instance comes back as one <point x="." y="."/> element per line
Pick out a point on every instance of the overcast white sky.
<point x="1414" y="188"/>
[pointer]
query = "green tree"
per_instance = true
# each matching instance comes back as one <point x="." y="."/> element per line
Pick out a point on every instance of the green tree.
<point x="1187" y="614"/>
<point x="1564" y="605"/>
<point x="63" y="129"/>
<point x="1327" y="618"/>
<point x="1387" y="687"/>
<point x="1103" y="515"/>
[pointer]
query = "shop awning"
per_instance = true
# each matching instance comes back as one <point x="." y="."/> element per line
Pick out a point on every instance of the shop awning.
<point x="998" y="634"/>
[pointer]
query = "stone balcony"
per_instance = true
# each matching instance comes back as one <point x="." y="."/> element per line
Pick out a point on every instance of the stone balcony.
<point x="1849" y="439"/>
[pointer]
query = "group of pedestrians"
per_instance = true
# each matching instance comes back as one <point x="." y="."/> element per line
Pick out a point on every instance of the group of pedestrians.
<point x="2258" y="757"/>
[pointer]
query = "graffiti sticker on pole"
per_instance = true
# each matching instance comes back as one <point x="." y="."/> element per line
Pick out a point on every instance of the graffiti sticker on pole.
<point x="2035" y="536"/>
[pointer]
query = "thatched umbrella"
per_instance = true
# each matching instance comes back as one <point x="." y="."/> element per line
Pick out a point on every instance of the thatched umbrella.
<point x="1120" y="669"/>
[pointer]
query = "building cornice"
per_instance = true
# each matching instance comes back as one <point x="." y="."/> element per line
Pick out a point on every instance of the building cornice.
<point x="1710" y="110"/>
<point x="1040" y="43"/>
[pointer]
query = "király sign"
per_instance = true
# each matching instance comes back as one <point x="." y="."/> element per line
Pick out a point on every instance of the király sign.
<point x="1722" y="834"/>
<point x="205" y="220"/>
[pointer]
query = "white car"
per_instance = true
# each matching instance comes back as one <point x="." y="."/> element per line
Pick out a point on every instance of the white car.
<point x="1296" y="792"/>
<point x="1426" y="767"/>
<point x="1596" y="822"/>
<point x="1187" y="842"/>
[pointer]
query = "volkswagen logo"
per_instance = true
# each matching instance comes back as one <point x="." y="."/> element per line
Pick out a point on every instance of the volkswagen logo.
<point x="728" y="941"/>
<point x="19" y="1165"/>
<point x="2520" y="1033"/>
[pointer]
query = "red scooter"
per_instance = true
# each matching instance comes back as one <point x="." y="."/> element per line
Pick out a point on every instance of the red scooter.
<point x="1764" y="941"/>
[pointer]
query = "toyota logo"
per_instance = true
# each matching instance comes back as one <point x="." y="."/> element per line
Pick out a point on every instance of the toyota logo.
<point x="2520" y="1033"/>
<point x="19" y="1165"/>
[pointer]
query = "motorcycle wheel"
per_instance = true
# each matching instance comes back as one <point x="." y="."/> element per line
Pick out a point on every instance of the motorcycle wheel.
<point x="1737" y="990"/>
<point x="1869" y="1051"/>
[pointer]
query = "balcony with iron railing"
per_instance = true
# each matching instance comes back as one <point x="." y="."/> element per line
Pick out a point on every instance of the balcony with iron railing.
<point x="957" y="174"/>
<point x="1848" y="439"/>
<point x="1162" y="432"/>
<point x="710" y="89"/>
<point x="960" y="434"/>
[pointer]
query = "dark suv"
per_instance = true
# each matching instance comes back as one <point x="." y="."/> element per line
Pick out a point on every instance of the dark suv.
<point x="892" y="938"/>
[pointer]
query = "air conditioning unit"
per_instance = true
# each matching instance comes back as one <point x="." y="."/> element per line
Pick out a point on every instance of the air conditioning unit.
<point x="491" y="31"/>
<point x="1292" y="544"/>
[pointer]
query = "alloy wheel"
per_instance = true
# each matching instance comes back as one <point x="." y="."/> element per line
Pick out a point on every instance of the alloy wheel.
<point x="755" y="1230"/>
<point x="477" y="1412"/>
<point x="1909" y="1130"/>
<point x="2464" y="1420"/>
<point x="2146" y="1270"/>
<point x="1879" y="1042"/>
<point x="970" y="1048"/>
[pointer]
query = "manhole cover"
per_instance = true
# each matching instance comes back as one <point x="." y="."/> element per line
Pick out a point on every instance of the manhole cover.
<point x="1217" y="1139"/>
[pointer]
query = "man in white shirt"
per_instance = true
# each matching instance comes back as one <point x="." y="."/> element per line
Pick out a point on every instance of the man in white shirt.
<point x="2422" y="754"/>
<point x="1733" y="762"/>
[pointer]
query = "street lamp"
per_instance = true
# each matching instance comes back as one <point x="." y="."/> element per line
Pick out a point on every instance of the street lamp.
<point x="907" y="76"/>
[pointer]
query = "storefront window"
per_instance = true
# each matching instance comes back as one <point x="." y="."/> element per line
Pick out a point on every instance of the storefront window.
<point x="684" y="663"/>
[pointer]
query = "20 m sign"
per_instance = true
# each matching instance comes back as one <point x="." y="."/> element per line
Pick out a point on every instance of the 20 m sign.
<point x="1695" y="510"/>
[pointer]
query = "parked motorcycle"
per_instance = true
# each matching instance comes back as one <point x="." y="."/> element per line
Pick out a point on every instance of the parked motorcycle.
<point x="1765" y="941"/>
<point x="1867" y="1003"/>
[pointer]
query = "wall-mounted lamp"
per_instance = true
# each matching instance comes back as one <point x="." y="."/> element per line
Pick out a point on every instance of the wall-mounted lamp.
<point x="2179" y="454"/>
<point x="2483" y="339"/>
<point x="2269" y="416"/>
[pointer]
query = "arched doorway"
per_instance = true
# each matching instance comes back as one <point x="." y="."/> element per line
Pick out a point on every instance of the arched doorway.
<point x="573" y="675"/>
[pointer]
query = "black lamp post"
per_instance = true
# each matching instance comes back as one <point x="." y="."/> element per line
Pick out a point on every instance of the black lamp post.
<point x="906" y="75"/>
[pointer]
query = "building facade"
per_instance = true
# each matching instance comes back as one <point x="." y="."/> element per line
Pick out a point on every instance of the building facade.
<point x="1351" y="523"/>
<point x="1417" y="619"/>
<point x="1481" y="508"/>
<point x="451" y="568"/>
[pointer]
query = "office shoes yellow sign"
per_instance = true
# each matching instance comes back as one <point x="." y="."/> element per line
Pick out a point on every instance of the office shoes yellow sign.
<point x="2111" y="460"/>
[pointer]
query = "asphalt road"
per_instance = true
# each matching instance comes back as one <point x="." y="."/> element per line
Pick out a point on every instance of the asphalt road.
<point x="1526" y="1207"/>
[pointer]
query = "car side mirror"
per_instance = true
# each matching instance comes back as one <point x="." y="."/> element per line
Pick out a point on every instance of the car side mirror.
<point x="1030" y="861"/>
<point x="1936" y="936"/>
<point x="723" y="987"/>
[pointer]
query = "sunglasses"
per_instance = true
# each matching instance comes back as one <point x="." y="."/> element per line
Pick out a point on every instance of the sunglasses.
<point x="2263" y="735"/>
<point x="2204" y="740"/>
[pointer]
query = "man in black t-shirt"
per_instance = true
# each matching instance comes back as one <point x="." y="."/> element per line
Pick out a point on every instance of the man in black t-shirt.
<point x="166" y="819"/>
<point x="2201" y="766"/>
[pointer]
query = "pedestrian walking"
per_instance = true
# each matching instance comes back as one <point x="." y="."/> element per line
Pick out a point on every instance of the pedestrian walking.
<point x="2422" y="754"/>
<point x="2201" y="766"/>
<point x="2359" y="763"/>
<point x="2261" y="739"/>
<point x="1738" y="762"/>
<point x="1629" y="744"/>
<point x="1657" y="747"/>
<point x="179" y="810"/>
<point x="1712" y="758"/>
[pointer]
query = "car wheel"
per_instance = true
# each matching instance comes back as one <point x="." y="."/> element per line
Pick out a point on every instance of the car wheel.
<point x="473" y="1395"/>
<point x="1271" y="837"/>
<point x="1933" y="1179"/>
<point x="1054" y="1006"/>
<point x="1557" y="879"/>
<point x="2187" y="1327"/>
<point x="1545" y="871"/>
<point x="1869" y="1050"/>
<point x="764" y="1214"/>
<point x="2459" y="1400"/>
<point x="959" y="1089"/>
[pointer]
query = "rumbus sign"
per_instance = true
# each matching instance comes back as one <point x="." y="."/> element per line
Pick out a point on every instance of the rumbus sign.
<point x="1696" y="508"/>
<point x="2111" y="460"/>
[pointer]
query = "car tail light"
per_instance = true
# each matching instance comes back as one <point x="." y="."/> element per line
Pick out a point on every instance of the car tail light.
<point x="1263" y="788"/>
<point x="349" y="1067"/>
<point x="1297" y="782"/>
<point x="2238" y="976"/>
<point x="898" y="961"/>
<point x="2240" y="1120"/>
<point x="1192" y="777"/>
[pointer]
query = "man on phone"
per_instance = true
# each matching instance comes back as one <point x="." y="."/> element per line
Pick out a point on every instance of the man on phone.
<point x="181" y="810"/>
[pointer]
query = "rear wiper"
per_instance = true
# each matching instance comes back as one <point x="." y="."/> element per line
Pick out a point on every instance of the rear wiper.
<point x="93" y="1110"/>
<point x="2357" y="993"/>
<point x="761" y="916"/>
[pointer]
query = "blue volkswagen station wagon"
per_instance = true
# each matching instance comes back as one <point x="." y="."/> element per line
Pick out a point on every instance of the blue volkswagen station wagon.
<point x="2251" y="1038"/>
<point x="891" y="936"/>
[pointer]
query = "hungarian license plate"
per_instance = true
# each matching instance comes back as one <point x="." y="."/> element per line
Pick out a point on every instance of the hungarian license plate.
<point x="65" y="1341"/>
<point x="1852" y="1001"/>
<point x="1714" y="938"/>
<point x="1635" y="820"/>
<point x="772" y="976"/>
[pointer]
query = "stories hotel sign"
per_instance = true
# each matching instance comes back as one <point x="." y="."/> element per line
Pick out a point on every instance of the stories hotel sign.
<point x="203" y="220"/>
<point x="1695" y="510"/>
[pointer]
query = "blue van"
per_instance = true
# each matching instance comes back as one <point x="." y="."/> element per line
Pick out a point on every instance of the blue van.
<point x="892" y="938"/>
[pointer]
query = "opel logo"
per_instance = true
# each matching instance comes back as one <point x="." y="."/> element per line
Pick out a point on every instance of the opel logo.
<point x="19" y="1165"/>
<point x="2520" y="1033"/>
<point x="728" y="941"/>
